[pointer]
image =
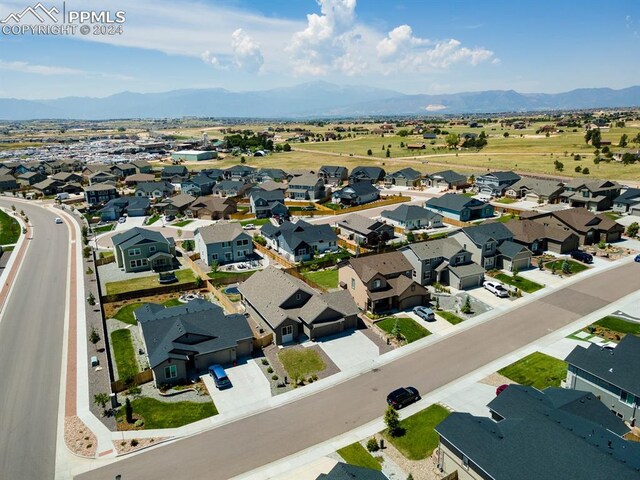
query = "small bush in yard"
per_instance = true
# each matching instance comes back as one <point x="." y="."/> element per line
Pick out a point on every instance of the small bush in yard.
<point x="314" y="376"/>
<point x="274" y="377"/>
<point x="372" y="445"/>
<point x="139" y="423"/>
<point x="265" y="361"/>
<point x="269" y="370"/>
<point x="134" y="443"/>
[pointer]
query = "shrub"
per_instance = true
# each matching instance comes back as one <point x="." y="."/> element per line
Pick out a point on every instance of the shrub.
<point x="91" y="300"/>
<point x="274" y="377"/>
<point x="135" y="390"/>
<point x="392" y="420"/>
<point x="270" y="370"/>
<point x="372" y="445"/>
<point x="265" y="361"/>
<point x="134" y="442"/>
<point x="89" y="271"/>
<point x="86" y="252"/>
<point x="139" y="423"/>
<point x="310" y="380"/>
<point x="314" y="376"/>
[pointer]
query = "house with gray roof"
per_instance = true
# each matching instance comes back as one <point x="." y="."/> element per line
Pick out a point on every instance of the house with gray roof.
<point x="535" y="435"/>
<point x="494" y="184"/>
<point x="241" y="173"/>
<point x="307" y="187"/>
<point x="333" y="174"/>
<point x="175" y="205"/>
<point x="365" y="231"/>
<point x="30" y="178"/>
<point x="271" y="174"/>
<point x="596" y="195"/>
<point x="382" y="283"/>
<point x="223" y="242"/>
<point x="267" y="203"/>
<point x="345" y="471"/>
<point x="102" y="177"/>
<point x="444" y="261"/>
<point x="231" y="188"/>
<point x="613" y="375"/>
<point x="406" y="177"/>
<point x="626" y="202"/>
<point x="118" y="207"/>
<point x="412" y="217"/>
<point x="300" y="241"/>
<point x="539" y="237"/>
<point x="122" y="170"/>
<point x="367" y="174"/>
<point x="159" y="189"/>
<point x="289" y="308"/>
<point x="181" y="342"/>
<point x="357" y="193"/>
<point x="459" y="207"/>
<point x="491" y="245"/>
<point x="174" y="172"/>
<point x="100" y="193"/>
<point x="537" y="190"/>
<point x="139" y="249"/>
<point x="8" y="182"/>
<point x="447" y="180"/>
<point x="198" y="185"/>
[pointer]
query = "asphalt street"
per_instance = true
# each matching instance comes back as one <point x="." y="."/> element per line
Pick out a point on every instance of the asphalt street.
<point x="31" y="336"/>
<point x="257" y="440"/>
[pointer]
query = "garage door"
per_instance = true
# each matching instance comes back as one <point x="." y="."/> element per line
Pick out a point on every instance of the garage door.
<point x="470" y="282"/>
<point x="522" y="263"/>
<point x="411" y="302"/>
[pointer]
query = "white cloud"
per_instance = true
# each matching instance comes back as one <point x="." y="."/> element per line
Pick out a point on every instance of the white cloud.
<point x="47" y="70"/>
<point x="247" y="54"/>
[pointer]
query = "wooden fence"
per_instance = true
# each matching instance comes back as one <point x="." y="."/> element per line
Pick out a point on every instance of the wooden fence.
<point x="456" y="223"/>
<point x="141" y="378"/>
<point x="273" y="255"/>
<point x="105" y="260"/>
<point x="351" y="246"/>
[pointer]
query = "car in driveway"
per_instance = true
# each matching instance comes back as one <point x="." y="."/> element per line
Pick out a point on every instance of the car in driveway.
<point x="220" y="377"/>
<point x="58" y="220"/>
<point x="425" y="313"/>
<point x="402" y="397"/>
<point x="581" y="256"/>
<point x="249" y="226"/>
<point x="122" y="219"/>
<point x="496" y="288"/>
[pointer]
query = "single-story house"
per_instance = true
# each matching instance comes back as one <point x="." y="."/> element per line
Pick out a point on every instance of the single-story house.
<point x="211" y="208"/>
<point x="357" y="193"/>
<point x="459" y="207"/>
<point x="447" y="179"/>
<point x="175" y="205"/>
<point x="627" y="200"/>
<point x="118" y="207"/>
<point x="412" y="217"/>
<point x="8" y="182"/>
<point x="367" y="174"/>
<point x="136" y="178"/>
<point x="365" y="231"/>
<point x="154" y="189"/>
<point x="300" y="241"/>
<point x="539" y="238"/>
<point x="406" y="177"/>
<point x="536" y="190"/>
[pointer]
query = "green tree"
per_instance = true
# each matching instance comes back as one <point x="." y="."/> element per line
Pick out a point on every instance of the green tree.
<point x="101" y="399"/>
<point x="403" y="133"/>
<point x="514" y="272"/>
<point x="578" y="169"/>
<point x="286" y="147"/>
<point x="452" y="140"/>
<point x="395" y="331"/>
<point x="214" y="267"/>
<point x="540" y="263"/>
<point x="369" y="152"/>
<point x="585" y="171"/>
<point x="632" y="230"/>
<point x="128" y="410"/>
<point x="392" y="421"/>
<point x="94" y="337"/>
<point x="411" y="237"/>
<point x="558" y="165"/>
<point x="624" y="140"/>
<point x="596" y="138"/>
<point x="566" y="268"/>
<point x="466" y="308"/>
<point x="388" y="154"/>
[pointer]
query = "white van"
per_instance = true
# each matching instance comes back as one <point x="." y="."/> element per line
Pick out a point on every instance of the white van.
<point x="62" y="196"/>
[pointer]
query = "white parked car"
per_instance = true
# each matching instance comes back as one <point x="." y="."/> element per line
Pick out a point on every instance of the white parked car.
<point x="249" y="226"/>
<point x="496" y="288"/>
<point x="58" y="220"/>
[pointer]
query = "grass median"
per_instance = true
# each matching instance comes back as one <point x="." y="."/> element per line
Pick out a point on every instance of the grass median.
<point x="124" y="353"/>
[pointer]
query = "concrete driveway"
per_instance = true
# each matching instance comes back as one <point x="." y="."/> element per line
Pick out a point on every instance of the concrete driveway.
<point x="348" y="349"/>
<point x="437" y="327"/>
<point x="249" y="386"/>
<point x="485" y="296"/>
<point x="129" y="224"/>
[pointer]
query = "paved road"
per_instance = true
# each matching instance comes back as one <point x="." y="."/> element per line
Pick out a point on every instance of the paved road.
<point x="263" y="438"/>
<point x="31" y="335"/>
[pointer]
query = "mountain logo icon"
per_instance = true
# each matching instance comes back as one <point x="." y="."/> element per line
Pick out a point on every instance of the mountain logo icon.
<point x="38" y="11"/>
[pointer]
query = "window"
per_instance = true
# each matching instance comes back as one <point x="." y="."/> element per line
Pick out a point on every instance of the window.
<point x="465" y="461"/>
<point x="353" y="284"/>
<point x="626" y="398"/>
<point x="152" y="249"/>
<point x="298" y="296"/>
<point x="214" y="256"/>
<point x="376" y="283"/>
<point x="134" y="252"/>
<point x="138" y="263"/>
<point x="427" y="261"/>
<point x="288" y="330"/>
<point x="170" y="372"/>
<point x="228" y="256"/>
<point x="427" y="275"/>
<point x="460" y="259"/>
<point x="239" y="243"/>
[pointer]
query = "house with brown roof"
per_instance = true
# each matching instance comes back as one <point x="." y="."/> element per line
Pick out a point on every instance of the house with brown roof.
<point x="539" y="237"/>
<point x="289" y="308"/>
<point x="211" y="207"/>
<point x="589" y="227"/>
<point x="382" y="283"/>
<point x="136" y="178"/>
<point x="594" y="195"/>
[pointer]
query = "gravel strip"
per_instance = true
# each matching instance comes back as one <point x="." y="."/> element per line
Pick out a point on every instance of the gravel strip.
<point x="123" y="446"/>
<point x="79" y="438"/>
<point x="495" y="380"/>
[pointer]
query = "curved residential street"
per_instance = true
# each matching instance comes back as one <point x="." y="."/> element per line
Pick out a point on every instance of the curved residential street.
<point x="252" y="442"/>
<point x="31" y="337"/>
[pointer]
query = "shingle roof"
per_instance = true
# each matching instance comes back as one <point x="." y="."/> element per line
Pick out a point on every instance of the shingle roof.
<point x="127" y="202"/>
<point x="99" y="187"/>
<point x="344" y="471"/>
<point x="391" y="263"/>
<point x="449" y="176"/>
<point x="296" y="233"/>
<point x="537" y="185"/>
<point x="631" y="196"/>
<point x="544" y="437"/>
<point x="220" y="232"/>
<point x="404" y="213"/>
<point x="373" y="173"/>
<point x="268" y="195"/>
<point x="510" y="249"/>
<point x="528" y="231"/>
<point x="620" y="366"/>
<point x="359" y="188"/>
<point x="409" y="173"/>
<point x="308" y="179"/>
<point x="479" y="234"/>
<point x="454" y="202"/>
<point x="359" y="223"/>
<point x="506" y="176"/>
<point x="582" y="219"/>
<point x="135" y="236"/>
<point x="441" y="247"/>
<point x="151" y="186"/>
<point x="163" y="327"/>
<point x="462" y="271"/>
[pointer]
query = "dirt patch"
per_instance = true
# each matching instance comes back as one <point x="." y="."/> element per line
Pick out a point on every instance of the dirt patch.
<point x="127" y="446"/>
<point x="79" y="438"/>
<point x="495" y="380"/>
<point x="110" y="309"/>
<point x="426" y="469"/>
<point x="603" y="332"/>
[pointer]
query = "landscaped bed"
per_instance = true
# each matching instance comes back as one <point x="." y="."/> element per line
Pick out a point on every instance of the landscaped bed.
<point x="613" y="328"/>
<point x="519" y="282"/>
<point x="157" y="414"/>
<point x="301" y="363"/>
<point x="574" y="267"/>
<point x="327" y="279"/>
<point x="255" y="221"/>
<point x="409" y="328"/>
<point x="356" y="454"/>
<point x="419" y="438"/>
<point x="124" y="353"/>
<point x="537" y="370"/>
<point x="142" y="283"/>
<point x="182" y="223"/>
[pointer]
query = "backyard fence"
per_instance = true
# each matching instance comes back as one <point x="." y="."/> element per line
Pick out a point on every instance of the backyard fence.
<point x="105" y="260"/>
<point x="141" y="378"/>
<point x="456" y="223"/>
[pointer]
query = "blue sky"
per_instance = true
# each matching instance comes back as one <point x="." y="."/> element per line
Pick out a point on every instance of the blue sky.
<point x="413" y="46"/>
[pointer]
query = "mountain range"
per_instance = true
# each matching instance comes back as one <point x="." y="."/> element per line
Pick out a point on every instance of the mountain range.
<point x="309" y="100"/>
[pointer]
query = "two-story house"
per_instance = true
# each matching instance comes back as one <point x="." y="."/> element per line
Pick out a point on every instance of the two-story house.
<point x="412" y="217"/>
<point x="307" y="187"/>
<point x="444" y="261"/>
<point x="289" y="308"/>
<point x="365" y="231"/>
<point x="459" y="207"/>
<point x="267" y="203"/>
<point x="492" y="246"/>
<point x="175" y="205"/>
<point x="300" y="241"/>
<point x="494" y="184"/>
<point x="406" y="177"/>
<point x="223" y="242"/>
<point x="154" y="189"/>
<point x="139" y="249"/>
<point x="231" y="188"/>
<point x="198" y="185"/>
<point x="367" y="174"/>
<point x="539" y="238"/>
<point x="100" y="193"/>
<point x="174" y="173"/>
<point x="357" y="193"/>
<point x="628" y="202"/>
<point x="613" y="375"/>
<point x="597" y="195"/>
<point x="123" y="170"/>
<point x="102" y="177"/>
<point x="382" y="283"/>
<point x="536" y="190"/>
<point x="241" y="173"/>
<point x="333" y="175"/>
<point x="118" y="207"/>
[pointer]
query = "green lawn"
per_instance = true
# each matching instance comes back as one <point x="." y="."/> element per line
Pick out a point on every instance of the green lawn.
<point x="612" y="215"/>
<point x="104" y="228"/>
<point x="158" y="414"/>
<point x="356" y="454"/>
<point x="506" y="200"/>
<point x="537" y="370"/>
<point x="106" y="254"/>
<point x="409" y="328"/>
<point x="450" y="317"/>
<point x="152" y="219"/>
<point x="220" y="275"/>
<point x="183" y="223"/>
<point x="125" y="314"/>
<point x="9" y="229"/>
<point x="141" y="283"/>
<point x="419" y="439"/>
<point x="574" y="267"/>
<point x="325" y="278"/>
<point x="519" y="282"/>
<point x="619" y="325"/>
<point x="504" y="218"/>
<point x="124" y="353"/>
<point x="258" y="222"/>
<point x="301" y="362"/>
